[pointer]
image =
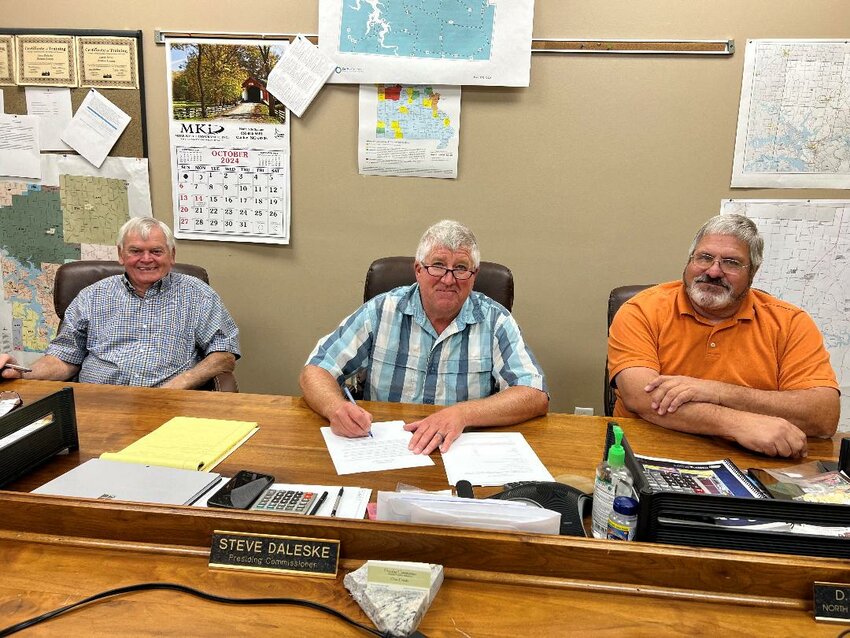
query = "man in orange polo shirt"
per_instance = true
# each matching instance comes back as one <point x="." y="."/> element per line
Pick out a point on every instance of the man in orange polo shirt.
<point x="711" y="355"/>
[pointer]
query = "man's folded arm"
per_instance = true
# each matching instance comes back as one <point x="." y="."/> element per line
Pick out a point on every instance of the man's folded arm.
<point x="814" y="410"/>
<point x="767" y="434"/>
<point x="213" y="364"/>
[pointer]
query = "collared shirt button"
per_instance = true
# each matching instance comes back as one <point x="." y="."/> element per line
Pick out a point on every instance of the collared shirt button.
<point x="713" y="345"/>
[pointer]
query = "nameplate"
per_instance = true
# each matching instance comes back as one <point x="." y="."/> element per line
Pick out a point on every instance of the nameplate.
<point x="280" y="554"/>
<point x="832" y="602"/>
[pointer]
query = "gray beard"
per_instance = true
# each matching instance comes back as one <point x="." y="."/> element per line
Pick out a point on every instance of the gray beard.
<point x="710" y="300"/>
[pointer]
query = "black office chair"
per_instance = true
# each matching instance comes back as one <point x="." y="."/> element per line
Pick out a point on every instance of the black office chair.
<point x="494" y="280"/>
<point x="617" y="298"/>
<point x="72" y="277"/>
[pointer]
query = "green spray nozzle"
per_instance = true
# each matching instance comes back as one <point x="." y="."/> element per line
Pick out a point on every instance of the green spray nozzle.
<point x="616" y="453"/>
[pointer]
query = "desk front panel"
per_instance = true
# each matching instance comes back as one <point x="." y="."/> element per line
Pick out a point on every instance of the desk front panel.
<point x="290" y="447"/>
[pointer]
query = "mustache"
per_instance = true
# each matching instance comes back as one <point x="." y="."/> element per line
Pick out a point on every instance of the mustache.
<point x="717" y="281"/>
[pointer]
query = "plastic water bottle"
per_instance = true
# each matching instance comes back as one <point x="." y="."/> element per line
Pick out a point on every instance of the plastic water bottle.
<point x="612" y="479"/>
<point x="623" y="519"/>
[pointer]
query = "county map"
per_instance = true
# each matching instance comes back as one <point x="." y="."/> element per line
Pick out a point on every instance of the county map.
<point x="795" y="112"/>
<point x="440" y="29"/>
<point x="412" y="112"/>
<point x="35" y="224"/>
<point x="807" y="262"/>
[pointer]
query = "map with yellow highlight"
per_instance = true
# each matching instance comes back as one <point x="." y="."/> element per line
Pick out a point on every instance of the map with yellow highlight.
<point x="412" y="112"/>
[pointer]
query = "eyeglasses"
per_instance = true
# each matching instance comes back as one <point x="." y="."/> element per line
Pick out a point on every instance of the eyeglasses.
<point x="461" y="273"/>
<point x="727" y="265"/>
<point x="9" y="401"/>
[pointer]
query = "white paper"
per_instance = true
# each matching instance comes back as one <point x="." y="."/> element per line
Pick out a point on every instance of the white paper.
<point x="493" y="458"/>
<point x="52" y="106"/>
<point x="386" y="449"/>
<point x="95" y="128"/>
<point x="793" y="119"/>
<point x="299" y="74"/>
<point x="485" y="42"/>
<point x="409" y="131"/>
<point x="19" y="155"/>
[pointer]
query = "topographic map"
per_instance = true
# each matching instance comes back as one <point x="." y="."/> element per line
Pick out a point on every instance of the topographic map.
<point x="412" y="112"/>
<point x="447" y="29"/>
<point x="32" y="245"/>
<point x="807" y="263"/>
<point x="794" y="117"/>
<point x="454" y="42"/>
<point x="73" y="215"/>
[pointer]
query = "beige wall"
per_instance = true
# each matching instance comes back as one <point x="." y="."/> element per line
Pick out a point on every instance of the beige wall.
<point x="595" y="176"/>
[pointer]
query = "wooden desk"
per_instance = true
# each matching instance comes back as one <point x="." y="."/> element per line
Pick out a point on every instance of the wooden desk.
<point x="56" y="550"/>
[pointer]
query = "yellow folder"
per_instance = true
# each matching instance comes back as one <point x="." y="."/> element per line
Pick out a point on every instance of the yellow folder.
<point x="186" y="442"/>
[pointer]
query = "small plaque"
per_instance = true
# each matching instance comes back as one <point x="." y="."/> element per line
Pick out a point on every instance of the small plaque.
<point x="398" y="574"/>
<point x="832" y="602"/>
<point x="279" y="554"/>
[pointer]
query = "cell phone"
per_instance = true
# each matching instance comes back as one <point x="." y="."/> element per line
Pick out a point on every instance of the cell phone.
<point x="241" y="491"/>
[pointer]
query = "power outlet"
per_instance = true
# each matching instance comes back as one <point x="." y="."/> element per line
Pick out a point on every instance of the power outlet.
<point x="584" y="411"/>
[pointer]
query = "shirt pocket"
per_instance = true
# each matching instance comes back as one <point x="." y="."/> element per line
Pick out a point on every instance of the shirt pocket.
<point x="471" y="378"/>
<point x="389" y="357"/>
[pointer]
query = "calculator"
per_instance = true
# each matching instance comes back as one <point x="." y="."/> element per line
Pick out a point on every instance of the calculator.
<point x="285" y="501"/>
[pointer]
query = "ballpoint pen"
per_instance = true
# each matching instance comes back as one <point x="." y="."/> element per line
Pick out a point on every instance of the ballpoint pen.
<point x="351" y="398"/>
<point x="336" y="503"/>
<point x="12" y="366"/>
<point x="319" y="503"/>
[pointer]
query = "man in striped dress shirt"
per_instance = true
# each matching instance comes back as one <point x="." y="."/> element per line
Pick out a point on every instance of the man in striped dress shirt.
<point x="434" y="342"/>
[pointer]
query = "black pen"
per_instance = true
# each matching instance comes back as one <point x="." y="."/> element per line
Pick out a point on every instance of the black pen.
<point x="318" y="503"/>
<point x="336" y="504"/>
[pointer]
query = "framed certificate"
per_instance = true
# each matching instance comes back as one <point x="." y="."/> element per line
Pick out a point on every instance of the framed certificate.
<point x="46" y="60"/>
<point x="7" y="59"/>
<point x="107" y="63"/>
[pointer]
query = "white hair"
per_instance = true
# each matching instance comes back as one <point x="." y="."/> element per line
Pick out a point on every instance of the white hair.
<point x="452" y="235"/>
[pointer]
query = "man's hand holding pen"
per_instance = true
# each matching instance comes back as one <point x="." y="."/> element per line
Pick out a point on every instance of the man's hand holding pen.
<point x="349" y="419"/>
<point x="10" y="369"/>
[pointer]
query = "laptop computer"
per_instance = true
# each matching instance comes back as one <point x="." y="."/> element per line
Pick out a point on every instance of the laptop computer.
<point x="99" y="478"/>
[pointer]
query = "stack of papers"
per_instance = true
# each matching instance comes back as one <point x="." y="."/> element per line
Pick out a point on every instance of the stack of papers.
<point x="438" y="509"/>
<point x="188" y="443"/>
<point x="493" y="458"/>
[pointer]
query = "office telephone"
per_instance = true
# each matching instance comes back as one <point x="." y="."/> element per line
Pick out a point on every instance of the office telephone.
<point x="570" y="502"/>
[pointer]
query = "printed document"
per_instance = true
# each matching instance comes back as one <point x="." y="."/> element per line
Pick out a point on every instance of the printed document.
<point x="52" y="106"/>
<point x="19" y="146"/>
<point x="493" y="458"/>
<point x="299" y="74"/>
<point x="96" y="126"/>
<point x="386" y="449"/>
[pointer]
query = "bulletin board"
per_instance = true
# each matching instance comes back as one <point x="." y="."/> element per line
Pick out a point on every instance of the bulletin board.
<point x="133" y="141"/>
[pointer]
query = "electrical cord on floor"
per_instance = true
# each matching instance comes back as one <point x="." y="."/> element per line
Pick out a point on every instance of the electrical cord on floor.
<point x="8" y="631"/>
